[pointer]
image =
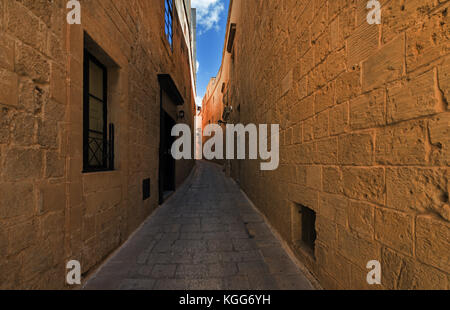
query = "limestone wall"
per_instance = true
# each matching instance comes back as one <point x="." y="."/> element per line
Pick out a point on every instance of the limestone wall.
<point x="51" y="212"/>
<point x="364" y="119"/>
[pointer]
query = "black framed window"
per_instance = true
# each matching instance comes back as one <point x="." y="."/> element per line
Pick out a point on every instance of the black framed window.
<point x="168" y="13"/>
<point x="97" y="149"/>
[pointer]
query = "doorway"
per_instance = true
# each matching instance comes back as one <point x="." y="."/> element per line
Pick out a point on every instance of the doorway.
<point x="170" y="99"/>
<point x="166" y="160"/>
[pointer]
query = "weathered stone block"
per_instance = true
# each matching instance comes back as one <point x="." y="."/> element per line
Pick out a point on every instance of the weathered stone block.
<point x="384" y="66"/>
<point x="335" y="43"/>
<point x="314" y="177"/>
<point x="356" y="149"/>
<point x="334" y="264"/>
<point x="365" y="184"/>
<point x="358" y="251"/>
<point x="31" y="63"/>
<point x="52" y="197"/>
<point x="319" y="23"/>
<point x="332" y="180"/>
<point x="433" y="242"/>
<point x="334" y="7"/>
<point x="334" y="208"/>
<point x="88" y="228"/>
<point x="55" y="111"/>
<point x="308" y="130"/>
<point x="317" y="78"/>
<point x="304" y="196"/>
<point x="75" y="197"/>
<point x="403" y="273"/>
<point x="48" y="134"/>
<point x="413" y="99"/>
<point x="402" y="144"/>
<point x="305" y="153"/>
<point x="324" y="98"/>
<point x="6" y="52"/>
<point x="395" y="229"/>
<point x="58" y="84"/>
<point x="31" y="96"/>
<point x="326" y="231"/>
<point x="10" y="269"/>
<point x="307" y="63"/>
<point x="322" y="47"/>
<point x="76" y="218"/>
<point x="3" y="246"/>
<point x="348" y="85"/>
<point x="326" y="152"/>
<point x="96" y="182"/>
<point x="286" y="83"/>
<point x="21" y="164"/>
<point x="53" y="225"/>
<point x="336" y="63"/>
<point x="55" y="165"/>
<point x="439" y="133"/>
<point x="421" y="190"/>
<point x="427" y="41"/>
<point x="301" y="88"/>
<point x="23" y="132"/>
<point x="6" y="115"/>
<point x="20" y="21"/>
<point x="17" y="199"/>
<point x="444" y="80"/>
<point x="397" y="17"/>
<point x="339" y="119"/>
<point x="346" y="23"/>
<point x="287" y="174"/>
<point x="301" y="175"/>
<point x="297" y="134"/>
<point x="9" y="84"/>
<point x="21" y="236"/>
<point x="56" y="48"/>
<point x="320" y="125"/>
<point x="361" y="219"/>
<point x="368" y="110"/>
<point x="38" y="259"/>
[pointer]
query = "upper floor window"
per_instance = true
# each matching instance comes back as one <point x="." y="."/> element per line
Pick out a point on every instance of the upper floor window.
<point x="169" y="21"/>
<point x="98" y="148"/>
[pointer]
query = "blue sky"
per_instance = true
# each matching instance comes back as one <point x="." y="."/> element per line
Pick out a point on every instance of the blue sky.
<point x="211" y="25"/>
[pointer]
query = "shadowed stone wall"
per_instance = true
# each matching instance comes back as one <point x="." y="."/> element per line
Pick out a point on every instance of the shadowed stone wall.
<point x="50" y="212"/>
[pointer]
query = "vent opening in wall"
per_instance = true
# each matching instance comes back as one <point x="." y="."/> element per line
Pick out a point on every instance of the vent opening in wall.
<point x="146" y="189"/>
<point x="308" y="228"/>
<point x="304" y="228"/>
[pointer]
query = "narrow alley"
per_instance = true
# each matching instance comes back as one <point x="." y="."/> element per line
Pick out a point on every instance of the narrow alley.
<point x="207" y="236"/>
<point x="224" y="145"/>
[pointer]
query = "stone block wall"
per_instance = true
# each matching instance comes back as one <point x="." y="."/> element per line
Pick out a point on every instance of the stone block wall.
<point x="51" y="212"/>
<point x="365" y="138"/>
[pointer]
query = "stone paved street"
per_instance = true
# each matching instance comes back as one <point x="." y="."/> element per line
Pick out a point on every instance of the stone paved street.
<point x="206" y="237"/>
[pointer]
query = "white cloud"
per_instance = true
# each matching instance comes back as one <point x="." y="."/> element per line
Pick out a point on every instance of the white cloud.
<point x="198" y="101"/>
<point x="208" y="14"/>
<point x="197" y="66"/>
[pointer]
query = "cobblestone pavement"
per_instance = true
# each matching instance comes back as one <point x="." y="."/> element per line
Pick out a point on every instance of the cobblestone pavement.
<point x="206" y="237"/>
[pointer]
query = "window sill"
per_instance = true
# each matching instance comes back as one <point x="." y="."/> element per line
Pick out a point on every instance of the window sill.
<point x="87" y="171"/>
